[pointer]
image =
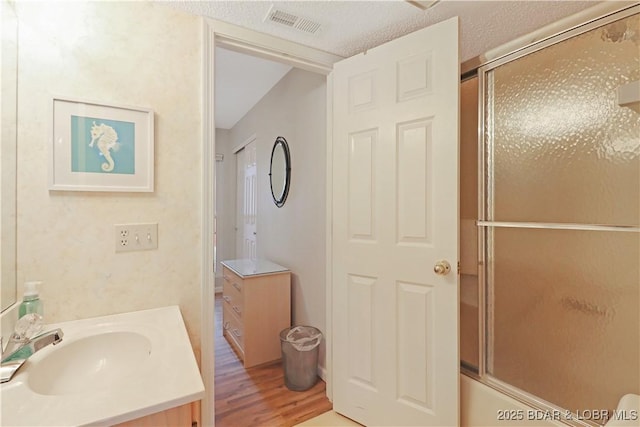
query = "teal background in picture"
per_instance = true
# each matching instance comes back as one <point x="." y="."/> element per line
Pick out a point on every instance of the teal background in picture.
<point x="89" y="159"/>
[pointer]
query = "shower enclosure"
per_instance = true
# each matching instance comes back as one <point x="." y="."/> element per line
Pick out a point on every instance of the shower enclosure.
<point x="558" y="309"/>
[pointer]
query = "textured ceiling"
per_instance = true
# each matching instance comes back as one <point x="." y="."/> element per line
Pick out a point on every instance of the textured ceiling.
<point x="350" y="27"/>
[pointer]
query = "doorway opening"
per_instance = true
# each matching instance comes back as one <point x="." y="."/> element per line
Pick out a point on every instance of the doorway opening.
<point x="291" y="104"/>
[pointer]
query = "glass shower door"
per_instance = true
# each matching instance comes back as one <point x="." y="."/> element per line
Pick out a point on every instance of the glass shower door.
<point x="561" y="220"/>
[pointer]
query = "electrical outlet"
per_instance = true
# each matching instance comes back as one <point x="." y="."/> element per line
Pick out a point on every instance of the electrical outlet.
<point x="136" y="237"/>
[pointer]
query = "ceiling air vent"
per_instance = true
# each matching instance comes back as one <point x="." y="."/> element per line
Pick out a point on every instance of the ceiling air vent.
<point x="292" y="21"/>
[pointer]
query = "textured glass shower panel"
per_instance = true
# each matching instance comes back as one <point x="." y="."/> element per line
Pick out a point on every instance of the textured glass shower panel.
<point x="563" y="149"/>
<point x="469" y="332"/>
<point x="566" y="322"/>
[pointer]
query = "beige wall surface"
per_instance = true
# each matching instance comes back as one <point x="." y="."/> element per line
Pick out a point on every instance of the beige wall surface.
<point x="8" y="106"/>
<point x="294" y="235"/>
<point x="128" y="53"/>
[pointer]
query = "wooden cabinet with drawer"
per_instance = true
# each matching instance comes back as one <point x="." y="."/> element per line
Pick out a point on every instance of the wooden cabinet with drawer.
<point x="256" y="307"/>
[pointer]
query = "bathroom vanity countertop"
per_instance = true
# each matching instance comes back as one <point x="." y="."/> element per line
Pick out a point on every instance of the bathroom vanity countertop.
<point x="156" y="370"/>
<point x="249" y="267"/>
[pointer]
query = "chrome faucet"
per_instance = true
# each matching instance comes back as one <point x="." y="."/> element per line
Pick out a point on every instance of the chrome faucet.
<point x="19" y="350"/>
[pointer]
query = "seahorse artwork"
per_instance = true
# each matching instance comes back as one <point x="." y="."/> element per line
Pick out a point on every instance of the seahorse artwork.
<point x="106" y="138"/>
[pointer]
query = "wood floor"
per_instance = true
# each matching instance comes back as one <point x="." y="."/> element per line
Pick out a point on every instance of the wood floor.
<point x="257" y="396"/>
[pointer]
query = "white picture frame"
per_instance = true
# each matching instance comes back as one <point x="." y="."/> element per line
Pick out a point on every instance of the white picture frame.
<point x="100" y="147"/>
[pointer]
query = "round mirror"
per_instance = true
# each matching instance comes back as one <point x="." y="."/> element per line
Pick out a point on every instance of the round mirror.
<point x="280" y="172"/>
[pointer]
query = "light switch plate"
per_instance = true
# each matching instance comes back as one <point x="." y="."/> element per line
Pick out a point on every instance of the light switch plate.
<point x="136" y="237"/>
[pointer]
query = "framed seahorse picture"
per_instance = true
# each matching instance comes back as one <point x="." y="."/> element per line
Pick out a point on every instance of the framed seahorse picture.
<point x="100" y="147"/>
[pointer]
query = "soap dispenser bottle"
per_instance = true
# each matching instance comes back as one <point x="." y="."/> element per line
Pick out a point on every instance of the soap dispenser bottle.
<point x="31" y="300"/>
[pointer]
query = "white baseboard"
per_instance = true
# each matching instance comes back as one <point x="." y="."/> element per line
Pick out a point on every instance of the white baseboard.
<point x="322" y="373"/>
<point x="219" y="283"/>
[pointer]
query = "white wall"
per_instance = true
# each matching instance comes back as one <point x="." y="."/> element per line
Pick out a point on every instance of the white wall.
<point x="225" y="203"/>
<point x="131" y="53"/>
<point x="294" y="235"/>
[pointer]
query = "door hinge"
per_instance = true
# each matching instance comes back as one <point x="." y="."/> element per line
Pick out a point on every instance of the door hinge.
<point x="458" y="268"/>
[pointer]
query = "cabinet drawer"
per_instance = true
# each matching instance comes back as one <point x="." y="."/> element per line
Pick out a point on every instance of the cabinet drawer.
<point x="232" y="298"/>
<point x="233" y="279"/>
<point x="232" y="327"/>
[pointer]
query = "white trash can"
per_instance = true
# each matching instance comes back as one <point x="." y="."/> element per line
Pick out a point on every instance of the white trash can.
<point x="300" y="356"/>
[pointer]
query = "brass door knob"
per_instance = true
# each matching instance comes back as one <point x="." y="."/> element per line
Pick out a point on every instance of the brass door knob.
<point x="442" y="268"/>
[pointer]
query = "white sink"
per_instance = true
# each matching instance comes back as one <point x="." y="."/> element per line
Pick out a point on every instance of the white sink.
<point x="107" y="370"/>
<point x="92" y="363"/>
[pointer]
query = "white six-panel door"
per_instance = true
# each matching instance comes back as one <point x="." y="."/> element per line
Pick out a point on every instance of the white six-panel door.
<point x="250" y="210"/>
<point x="395" y="216"/>
<point x="240" y="166"/>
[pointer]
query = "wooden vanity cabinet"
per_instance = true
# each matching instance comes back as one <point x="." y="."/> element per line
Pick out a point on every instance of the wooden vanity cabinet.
<point x="257" y="306"/>
<point x="180" y="416"/>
